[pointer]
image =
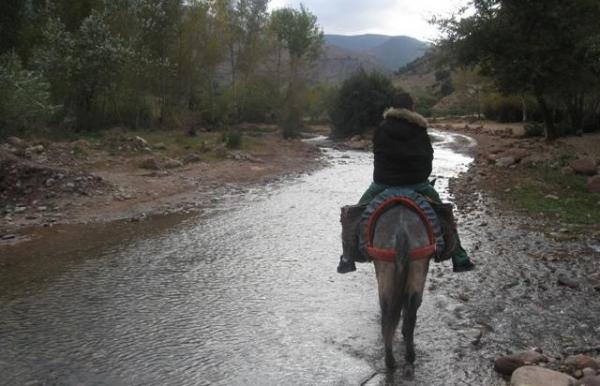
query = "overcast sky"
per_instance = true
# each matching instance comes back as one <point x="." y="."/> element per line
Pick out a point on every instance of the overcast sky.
<point x="388" y="17"/>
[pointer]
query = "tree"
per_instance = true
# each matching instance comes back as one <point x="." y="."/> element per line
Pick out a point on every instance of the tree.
<point x="360" y="103"/>
<point x="82" y="66"/>
<point x="241" y="24"/>
<point x="542" y="48"/>
<point x="297" y="31"/>
<point x="24" y="95"/>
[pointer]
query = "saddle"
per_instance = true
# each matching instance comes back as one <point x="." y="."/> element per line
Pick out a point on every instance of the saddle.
<point x="358" y="221"/>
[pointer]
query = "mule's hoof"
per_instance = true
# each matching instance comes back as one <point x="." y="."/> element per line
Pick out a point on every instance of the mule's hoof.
<point x="409" y="372"/>
<point x="466" y="267"/>
<point x="346" y="266"/>
<point x="390" y="362"/>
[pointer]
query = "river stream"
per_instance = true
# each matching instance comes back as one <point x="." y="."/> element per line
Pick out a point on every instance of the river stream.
<point x="245" y="294"/>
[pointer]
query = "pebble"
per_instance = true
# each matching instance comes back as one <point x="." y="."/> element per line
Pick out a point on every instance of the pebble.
<point x="8" y="237"/>
<point x="20" y="209"/>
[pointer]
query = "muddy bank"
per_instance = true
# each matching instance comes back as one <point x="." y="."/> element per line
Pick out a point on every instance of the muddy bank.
<point x="128" y="178"/>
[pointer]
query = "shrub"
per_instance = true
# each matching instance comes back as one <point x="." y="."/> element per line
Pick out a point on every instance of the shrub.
<point x="360" y="103"/>
<point x="424" y="103"/>
<point x="534" y="130"/>
<point x="503" y="108"/>
<point x="232" y="138"/>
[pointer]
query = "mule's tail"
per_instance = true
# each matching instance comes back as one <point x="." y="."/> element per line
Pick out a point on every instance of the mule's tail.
<point x="402" y="266"/>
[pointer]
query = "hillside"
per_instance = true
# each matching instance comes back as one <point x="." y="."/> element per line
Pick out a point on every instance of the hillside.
<point x="392" y="52"/>
<point x="398" y="51"/>
<point x="336" y="64"/>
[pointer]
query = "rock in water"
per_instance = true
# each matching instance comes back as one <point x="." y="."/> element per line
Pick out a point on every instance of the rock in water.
<point x="567" y="281"/>
<point x="539" y="376"/>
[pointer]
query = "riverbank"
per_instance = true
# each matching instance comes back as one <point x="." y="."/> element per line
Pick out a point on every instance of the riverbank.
<point x="532" y="227"/>
<point x="554" y="183"/>
<point x="128" y="176"/>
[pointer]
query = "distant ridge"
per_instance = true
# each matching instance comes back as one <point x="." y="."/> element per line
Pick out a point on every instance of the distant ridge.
<point x="392" y="52"/>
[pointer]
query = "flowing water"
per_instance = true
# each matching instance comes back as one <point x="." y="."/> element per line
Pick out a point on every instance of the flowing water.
<point x="245" y="294"/>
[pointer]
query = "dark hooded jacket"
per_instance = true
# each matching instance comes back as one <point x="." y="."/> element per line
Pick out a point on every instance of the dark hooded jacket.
<point x="403" y="151"/>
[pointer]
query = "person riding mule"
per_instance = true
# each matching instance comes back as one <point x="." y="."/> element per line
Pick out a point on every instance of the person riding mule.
<point x="403" y="157"/>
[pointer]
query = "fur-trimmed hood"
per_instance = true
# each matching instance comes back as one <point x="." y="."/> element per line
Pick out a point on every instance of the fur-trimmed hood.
<point x="406" y="115"/>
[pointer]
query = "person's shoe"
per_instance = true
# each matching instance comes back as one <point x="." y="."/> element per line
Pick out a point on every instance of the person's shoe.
<point x="464" y="267"/>
<point x="346" y="266"/>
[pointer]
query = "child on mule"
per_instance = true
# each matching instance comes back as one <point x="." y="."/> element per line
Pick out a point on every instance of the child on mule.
<point x="403" y="157"/>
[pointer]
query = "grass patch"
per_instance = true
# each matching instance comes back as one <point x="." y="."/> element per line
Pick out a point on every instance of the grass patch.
<point x="536" y="190"/>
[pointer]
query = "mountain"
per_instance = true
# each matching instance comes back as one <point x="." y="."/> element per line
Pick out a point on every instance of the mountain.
<point x="337" y="64"/>
<point x="356" y="42"/>
<point x="392" y="52"/>
<point x="398" y="51"/>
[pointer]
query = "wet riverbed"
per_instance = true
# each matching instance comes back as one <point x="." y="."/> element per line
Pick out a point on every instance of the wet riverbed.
<point x="248" y="294"/>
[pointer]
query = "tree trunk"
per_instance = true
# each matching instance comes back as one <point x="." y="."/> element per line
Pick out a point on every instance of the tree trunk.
<point x="549" y="130"/>
<point x="575" y="110"/>
<point x="524" y="108"/>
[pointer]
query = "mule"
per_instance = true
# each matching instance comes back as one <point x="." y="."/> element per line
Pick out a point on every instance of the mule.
<point x="402" y="281"/>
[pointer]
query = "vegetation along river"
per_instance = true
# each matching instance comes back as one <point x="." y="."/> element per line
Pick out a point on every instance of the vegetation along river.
<point x="244" y="294"/>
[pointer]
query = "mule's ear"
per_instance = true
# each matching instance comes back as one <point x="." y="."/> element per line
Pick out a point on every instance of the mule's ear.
<point x="432" y="182"/>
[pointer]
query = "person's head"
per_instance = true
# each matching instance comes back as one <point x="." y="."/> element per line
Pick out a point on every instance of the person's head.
<point x="403" y="100"/>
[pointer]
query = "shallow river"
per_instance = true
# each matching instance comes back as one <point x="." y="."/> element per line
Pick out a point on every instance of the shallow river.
<point x="244" y="294"/>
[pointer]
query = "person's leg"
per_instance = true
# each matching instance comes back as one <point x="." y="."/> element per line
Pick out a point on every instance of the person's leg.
<point x="460" y="260"/>
<point x="346" y="264"/>
<point x="373" y="191"/>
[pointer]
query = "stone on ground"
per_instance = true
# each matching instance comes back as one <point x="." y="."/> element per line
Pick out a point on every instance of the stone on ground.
<point x="581" y="362"/>
<point x="150" y="164"/>
<point x="585" y="166"/>
<point x="594" y="184"/>
<point x="506" y="365"/>
<point x="539" y="376"/>
<point x="506" y="161"/>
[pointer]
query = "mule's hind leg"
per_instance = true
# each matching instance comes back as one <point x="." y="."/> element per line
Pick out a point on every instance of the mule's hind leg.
<point x="413" y="301"/>
<point x="391" y="309"/>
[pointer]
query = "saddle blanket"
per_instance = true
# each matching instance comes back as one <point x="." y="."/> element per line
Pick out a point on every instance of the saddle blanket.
<point x="391" y="194"/>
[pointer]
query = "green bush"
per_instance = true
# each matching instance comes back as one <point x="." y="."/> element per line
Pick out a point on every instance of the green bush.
<point x="257" y="98"/>
<point x="360" y="103"/>
<point x="24" y="96"/>
<point x="534" y="130"/>
<point x="424" y="103"/>
<point x="232" y="138"/>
